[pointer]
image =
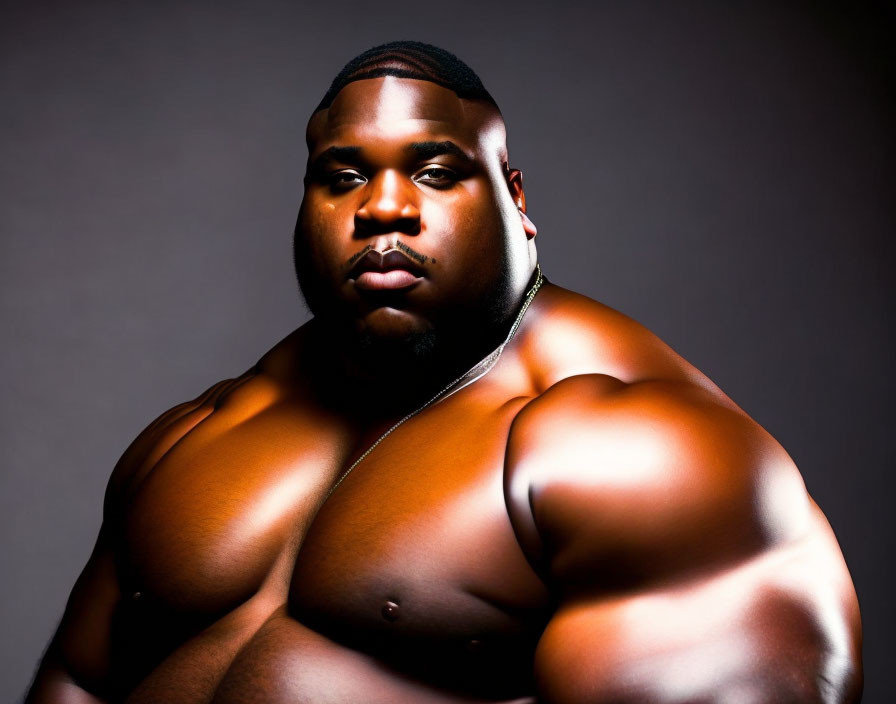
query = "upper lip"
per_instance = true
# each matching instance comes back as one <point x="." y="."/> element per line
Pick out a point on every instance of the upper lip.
<point x="385" y="261"/>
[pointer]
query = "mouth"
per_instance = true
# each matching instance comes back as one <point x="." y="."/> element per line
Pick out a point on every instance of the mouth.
<point x="391" y="270"/>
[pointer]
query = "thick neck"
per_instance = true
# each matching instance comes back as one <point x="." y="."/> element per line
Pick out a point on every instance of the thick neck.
<point x="386" y="380"/>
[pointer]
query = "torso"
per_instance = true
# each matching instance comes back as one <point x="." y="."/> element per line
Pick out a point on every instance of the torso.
<point x="243" y="582"/>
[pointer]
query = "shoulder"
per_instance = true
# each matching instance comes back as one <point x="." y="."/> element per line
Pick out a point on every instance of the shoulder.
<point x="566" y="334"/>
<point x="663" y="518"/>
<point x="667" y="524"/>
<point x="244" y="394"/>
<point x="632" y="456"/>
<point x="660" y="474"/>
<point x="157" y="438"/>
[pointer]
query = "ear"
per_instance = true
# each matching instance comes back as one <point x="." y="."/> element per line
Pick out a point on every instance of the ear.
<point x="515" y="184"/>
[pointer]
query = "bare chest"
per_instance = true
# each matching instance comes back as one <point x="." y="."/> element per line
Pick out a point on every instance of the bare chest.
<point x="240" y="497"/>
<point x="415" y="545"/>
<point x="215" y="514"/>
<point x="412" y="560"/>
<point x="411" y="564"/>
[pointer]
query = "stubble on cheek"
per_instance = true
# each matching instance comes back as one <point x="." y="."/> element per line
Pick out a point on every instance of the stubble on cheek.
<point x="321" y="232"/>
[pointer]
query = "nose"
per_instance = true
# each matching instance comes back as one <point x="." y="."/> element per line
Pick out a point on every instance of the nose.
<point x="389" y="205"/>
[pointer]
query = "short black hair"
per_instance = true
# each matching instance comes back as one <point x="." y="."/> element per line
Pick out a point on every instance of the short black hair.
<point x="408" y="59"/>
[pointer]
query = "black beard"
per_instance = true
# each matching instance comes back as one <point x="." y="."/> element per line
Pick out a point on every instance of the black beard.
<point x="446" y="348"/>
<point x="422" y="357"/>
<point x="417" y="350"/>
<point x="427" y="359"/>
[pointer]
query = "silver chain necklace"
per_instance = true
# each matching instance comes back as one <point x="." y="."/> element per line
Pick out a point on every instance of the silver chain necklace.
<point x="476" y="372"/>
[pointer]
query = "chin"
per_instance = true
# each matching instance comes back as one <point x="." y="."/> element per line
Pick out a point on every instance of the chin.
<point x="392" y="334"/>
<point x="393" y="324"/>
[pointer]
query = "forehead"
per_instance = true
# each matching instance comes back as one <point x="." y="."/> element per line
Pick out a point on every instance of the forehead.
<point x="390" y="109"/>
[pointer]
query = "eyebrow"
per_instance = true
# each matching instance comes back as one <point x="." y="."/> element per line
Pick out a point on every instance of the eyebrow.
<point x="428" y="150"/>
<point x="347" y="154"/>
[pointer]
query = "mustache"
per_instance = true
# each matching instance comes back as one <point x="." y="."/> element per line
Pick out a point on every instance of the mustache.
<point x="421" y="260"/>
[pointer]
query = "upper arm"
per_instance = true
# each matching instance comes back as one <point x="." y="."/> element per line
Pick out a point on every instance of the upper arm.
<point x="79" y="658"/>
<point x="661" y="520"/>
<point x="737" y="635"/>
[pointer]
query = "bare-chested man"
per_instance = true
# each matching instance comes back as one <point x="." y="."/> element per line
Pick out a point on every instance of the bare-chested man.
<point x="458" y="482"/>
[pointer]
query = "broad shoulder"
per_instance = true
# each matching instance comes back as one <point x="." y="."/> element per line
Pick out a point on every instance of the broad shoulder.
<point x="633" y="463"/>
<point x="659" y="474"/>
<point x="242" y="396"/>
<point x="666" y="523"/>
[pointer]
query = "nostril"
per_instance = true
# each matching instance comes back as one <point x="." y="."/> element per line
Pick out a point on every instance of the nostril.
<point x="384" y="216"/>
<point x="367" y="226"/>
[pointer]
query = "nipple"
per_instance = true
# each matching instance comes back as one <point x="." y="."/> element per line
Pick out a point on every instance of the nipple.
<point x="390" y="611"/>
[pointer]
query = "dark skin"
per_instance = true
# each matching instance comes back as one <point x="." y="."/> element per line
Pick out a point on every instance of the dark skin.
<point x="592" y="521"/>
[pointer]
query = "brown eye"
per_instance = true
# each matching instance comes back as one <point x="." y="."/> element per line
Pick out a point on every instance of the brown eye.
<point x="436" y="176"/>
<point x="344" y="180"/>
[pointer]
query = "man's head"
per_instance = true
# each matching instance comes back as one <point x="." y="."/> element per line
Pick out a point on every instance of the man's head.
<point x="412" y="230"/>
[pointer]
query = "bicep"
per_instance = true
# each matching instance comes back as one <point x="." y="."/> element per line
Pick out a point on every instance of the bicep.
<point x="745" y="634"/>
<point x="619" y="491"/>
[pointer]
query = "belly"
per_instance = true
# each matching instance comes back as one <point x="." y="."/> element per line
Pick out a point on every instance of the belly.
<point x="288" y="662"/>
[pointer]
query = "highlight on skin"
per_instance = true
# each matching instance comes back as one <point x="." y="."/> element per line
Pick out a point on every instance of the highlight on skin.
<point x="584" y="517"/>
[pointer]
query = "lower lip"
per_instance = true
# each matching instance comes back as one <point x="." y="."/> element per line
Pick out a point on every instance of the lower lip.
<point x="392" y="280"/>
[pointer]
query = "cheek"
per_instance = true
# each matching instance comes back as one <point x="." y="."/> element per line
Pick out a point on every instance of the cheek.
<point x="468" y="239"/>
<point x="323" y="227"/>
<point x="319" y="218"/>
<point x="481" y="223"/>
<point x="467" y="215"/>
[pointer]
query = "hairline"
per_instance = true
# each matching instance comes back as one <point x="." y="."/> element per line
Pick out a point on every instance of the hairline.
<point x="490" y="105"/>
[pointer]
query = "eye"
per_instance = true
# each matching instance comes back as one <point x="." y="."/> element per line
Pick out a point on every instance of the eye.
<point x="436" y="176"/>
<point x="345" y="179"/>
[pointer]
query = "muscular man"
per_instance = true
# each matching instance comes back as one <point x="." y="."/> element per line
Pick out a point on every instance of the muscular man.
<point x="458" y="482"/>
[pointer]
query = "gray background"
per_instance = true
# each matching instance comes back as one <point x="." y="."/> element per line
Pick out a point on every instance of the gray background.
<point x="723" y="172"/>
